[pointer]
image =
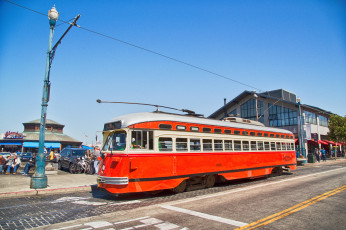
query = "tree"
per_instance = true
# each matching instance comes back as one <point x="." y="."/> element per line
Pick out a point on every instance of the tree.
<point x="337" y="128"/>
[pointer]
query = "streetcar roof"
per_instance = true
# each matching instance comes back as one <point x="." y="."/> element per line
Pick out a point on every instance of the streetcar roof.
<point x="135" y="118"/>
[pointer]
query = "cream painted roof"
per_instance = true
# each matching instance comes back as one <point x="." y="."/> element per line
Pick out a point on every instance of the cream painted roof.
<point x="135" y="118"/>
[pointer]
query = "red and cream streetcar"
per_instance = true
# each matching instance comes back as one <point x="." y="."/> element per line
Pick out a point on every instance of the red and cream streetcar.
<point x="156" y="150"/>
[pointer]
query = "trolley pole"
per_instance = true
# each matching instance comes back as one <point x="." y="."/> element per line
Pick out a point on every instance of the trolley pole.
<point x="39" y="179"/>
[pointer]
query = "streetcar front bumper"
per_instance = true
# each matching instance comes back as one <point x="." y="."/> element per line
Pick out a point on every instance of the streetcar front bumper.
<point x="113" y="180"/>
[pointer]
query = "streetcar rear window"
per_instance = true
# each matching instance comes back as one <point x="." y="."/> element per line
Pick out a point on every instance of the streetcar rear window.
<point x="165" y="126"/>
<point x="165" y="144"/>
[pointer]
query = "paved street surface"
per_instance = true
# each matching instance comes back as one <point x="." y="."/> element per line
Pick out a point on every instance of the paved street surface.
<point x="313" y="197"/>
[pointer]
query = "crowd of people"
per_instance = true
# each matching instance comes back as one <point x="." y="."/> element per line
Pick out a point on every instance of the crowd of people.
<point x="12" y="163"/>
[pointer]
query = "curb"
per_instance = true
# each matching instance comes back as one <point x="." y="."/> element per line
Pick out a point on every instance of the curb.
<point x="34" y="192"/>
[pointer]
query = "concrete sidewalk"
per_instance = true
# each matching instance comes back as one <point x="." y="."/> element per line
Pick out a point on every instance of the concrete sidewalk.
<point x="62" y="182"/>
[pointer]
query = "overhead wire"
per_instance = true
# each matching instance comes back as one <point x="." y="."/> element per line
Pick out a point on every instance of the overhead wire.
<point x="146" y="49"/>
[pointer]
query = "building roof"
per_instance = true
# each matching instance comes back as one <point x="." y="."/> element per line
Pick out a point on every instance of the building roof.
<point x="49" y="136"/>
<point x="266" y="95"/>
<point x="135" y="118"/>
<point x="48" y="122"/>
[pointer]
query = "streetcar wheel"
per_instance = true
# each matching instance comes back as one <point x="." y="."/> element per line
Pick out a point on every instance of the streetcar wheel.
<point x="180" y="188"/>
<point x="209" y="181"/>
<point x="276" y="172"/>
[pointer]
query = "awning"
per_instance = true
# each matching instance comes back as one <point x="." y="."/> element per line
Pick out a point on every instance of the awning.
<point x="53" y="145"/>
<point x="11" y="143"/>
<point x="87" y="147"/>
<point x="323" y="142"/>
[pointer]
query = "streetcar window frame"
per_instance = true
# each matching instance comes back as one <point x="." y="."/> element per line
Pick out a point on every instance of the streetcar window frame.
<point x="259" y="134"/>
<point x="260" y="145"/>
<point x="194" y="129"/>
<point x="207" y="144"/>
<point x="196" y="146"/>
<point x="271" y="135"/>
<point x="278" y="145"/>
<point x="253" y="145"/>
<point x="236" y="132"/>
<point x="267" y="146"/>
<point x="206" y="130"/>
<point x="228" y="131"/>
<point x="218" y="145"/>
<point x="217" y="130"/>
<point x="228" y="145"/>
<point x="164" y="143"/>
<point x="265" y="134"/>
<point x="165" y="126"/>
<point x="245" y="133"/>
<point x="181" y="144"/>
<point x="246" y="145"/>
<point x="180" y="127"/>
<point x="237" y="145"/>
<point x="272" y="146"/>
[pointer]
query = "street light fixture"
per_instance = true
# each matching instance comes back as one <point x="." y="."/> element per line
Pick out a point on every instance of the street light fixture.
<point x="39" y="179"/>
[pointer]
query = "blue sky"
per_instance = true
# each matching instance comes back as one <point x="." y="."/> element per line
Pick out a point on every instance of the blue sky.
<point x="299" y="46"/>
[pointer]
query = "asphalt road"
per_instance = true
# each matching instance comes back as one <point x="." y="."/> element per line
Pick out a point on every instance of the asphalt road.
<point x="313" y="197"/>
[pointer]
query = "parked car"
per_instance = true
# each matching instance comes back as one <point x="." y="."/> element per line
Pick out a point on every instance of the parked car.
<point x="68" y="157"/>
<point x="26" y="156"/>
<point x="5" y="154"/>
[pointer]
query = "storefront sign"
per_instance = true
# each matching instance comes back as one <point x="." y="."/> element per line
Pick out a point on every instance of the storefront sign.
<point x="13" y="135"/>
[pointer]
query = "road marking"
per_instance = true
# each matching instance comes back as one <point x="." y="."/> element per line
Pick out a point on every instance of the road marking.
<point x="166" y="226"/>
<point x="205" y="216"/>
<point x="151" y="221"/>
<point x="126" y="221"/>
<point x="73" y="226"/>
<point x="99" y="224"/>
<point x="293" y="209"/>
<point x="247" y="188"/>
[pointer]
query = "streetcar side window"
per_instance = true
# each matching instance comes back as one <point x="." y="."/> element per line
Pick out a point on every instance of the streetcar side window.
<point x="218" y="145"/>
<point x="266" y="146"/>
<point x="228" y="145"/>
<point x="272" y="146"/>
<point x="283" y="146"/>
<point x="195" y="145"/>
<point x="245" y="146"/>
<point x="278" y="146"/>
<point x="260" y="146"/>
<point x="181" y="144"/>
<point x="253" y="145"/>
<point x="207" y="145"/>
<point x="292" y="146"/>
<point x="165" y="144"/>
<point x="237" y="145"/>
<point x="288" y="146"/>
<point x="142" y="140"/>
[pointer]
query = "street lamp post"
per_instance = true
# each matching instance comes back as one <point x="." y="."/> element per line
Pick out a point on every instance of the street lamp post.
<point x="301" y="138"/>
<point x="39" y="179"/>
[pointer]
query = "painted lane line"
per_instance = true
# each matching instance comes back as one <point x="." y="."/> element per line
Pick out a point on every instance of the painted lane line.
<point x="248" y="188"/>
<point x="73" y="226"/>
<point x="126" y="221"/>
<point x="166" y="226"/>
<point x="269" y="219"/>
<point x="99" y="224"/>
<point x="205" y="216"/>
<point x="151" y="221"/>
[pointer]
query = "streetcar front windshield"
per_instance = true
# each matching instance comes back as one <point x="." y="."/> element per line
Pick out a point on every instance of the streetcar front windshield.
<point x="115" y="141"/>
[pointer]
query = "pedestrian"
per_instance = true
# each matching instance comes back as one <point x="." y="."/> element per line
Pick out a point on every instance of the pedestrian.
<point x="317" y="155"/>
<point x="14" y="163"/>
<point x="323" y="153"/>
<point x="2" y="164"/>
<point x="28" y="165"/>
